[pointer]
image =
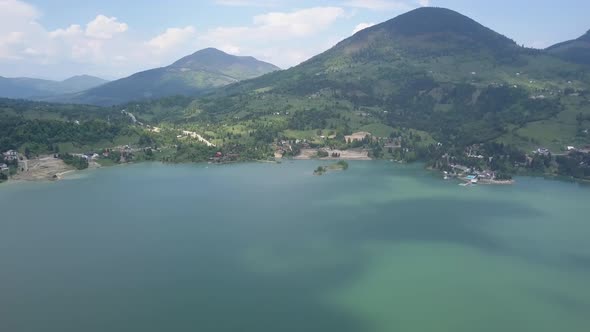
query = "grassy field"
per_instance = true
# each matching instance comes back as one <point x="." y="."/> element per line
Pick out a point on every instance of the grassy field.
<point x="377" y="129"/>
<point x="121" y="140"/>
<point x="554" y="134"/>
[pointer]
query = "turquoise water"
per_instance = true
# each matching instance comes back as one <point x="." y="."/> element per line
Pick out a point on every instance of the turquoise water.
<point x="263" y="247"/>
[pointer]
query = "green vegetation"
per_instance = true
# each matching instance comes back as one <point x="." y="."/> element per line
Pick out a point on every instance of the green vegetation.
<point x="321" y="170"/>
<point x="75" y="161"/>
<point x="576" y="165"/>
<point x="339" y="166"/>
<point x="61" y="128"/>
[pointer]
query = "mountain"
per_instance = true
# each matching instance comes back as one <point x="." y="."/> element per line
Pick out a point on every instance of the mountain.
<point x="432" y="70"/>
<point x="577" y="50"/>
<point x="190" y="76"/>
<point x="81" y="83"/>
<point x="32" y="88"/>
<point x="433" y="31"/>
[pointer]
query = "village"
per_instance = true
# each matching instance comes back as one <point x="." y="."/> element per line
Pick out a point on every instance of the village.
<point x="471" y="166"/>
<point x="474" y="165"/>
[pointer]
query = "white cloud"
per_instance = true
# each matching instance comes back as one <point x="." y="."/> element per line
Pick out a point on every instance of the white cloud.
<point x="17" y="28"/>
<point x="171" y="38"/>
<point x="71" y="31"/>
<point x="11" y="10"/>
<point x="424" y="3"/>
<point x="292" y="34"/>
<point x="362" y="26"/>
<point x="102" y="47"/>
<point x="278" y="26"/>
<point x="103" y="27"/>
<point x="299" y="23"/>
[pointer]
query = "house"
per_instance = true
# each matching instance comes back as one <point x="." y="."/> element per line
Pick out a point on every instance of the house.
<point x="10" y="155"/>
<point x="571" y="148"/>
<point x="4" y="168"/>
<point x="357" y="137"/>
<point x="542" y="151"/>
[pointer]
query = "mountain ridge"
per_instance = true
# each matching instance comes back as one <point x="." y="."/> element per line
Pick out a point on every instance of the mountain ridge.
<point x="191" y="75"/>
<point x="25" y="87"/>
<point x="576" y="50"/>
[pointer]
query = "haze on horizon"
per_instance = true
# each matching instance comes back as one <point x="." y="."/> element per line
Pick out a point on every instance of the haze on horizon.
<point x="62" y="38"/>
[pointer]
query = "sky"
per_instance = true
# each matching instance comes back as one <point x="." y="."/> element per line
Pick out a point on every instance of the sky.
<point x="56" y="39"/>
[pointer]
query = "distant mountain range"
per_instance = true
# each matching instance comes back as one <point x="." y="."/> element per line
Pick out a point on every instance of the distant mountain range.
<point x="577" y="50"/>
<point x="190" y="76"/>
<point x="32" y="88"/>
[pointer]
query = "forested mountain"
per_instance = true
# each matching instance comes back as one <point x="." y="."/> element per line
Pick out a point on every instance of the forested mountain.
<point x="430" y="69"/>
<point x="33" y="88"/>
<point x="577" y="50"/>
<point x="189" y="76"/>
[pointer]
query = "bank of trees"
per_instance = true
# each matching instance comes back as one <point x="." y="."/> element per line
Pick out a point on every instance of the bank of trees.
<point x="75" y="161"/>
<point x="44" y="135"/>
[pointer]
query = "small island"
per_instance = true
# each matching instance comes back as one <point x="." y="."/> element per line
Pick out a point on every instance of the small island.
<point x="339" y="166"/>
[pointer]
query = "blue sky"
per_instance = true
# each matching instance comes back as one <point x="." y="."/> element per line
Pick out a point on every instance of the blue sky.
<point x="59" y="38"/>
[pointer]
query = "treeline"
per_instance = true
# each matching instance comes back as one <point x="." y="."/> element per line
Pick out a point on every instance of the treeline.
<point x="470" y="120"/>
<point x="75" y="161"/>
<point x="44" y="135"/>
<point x="576" y="164"/>
<point x="70" y="112"/>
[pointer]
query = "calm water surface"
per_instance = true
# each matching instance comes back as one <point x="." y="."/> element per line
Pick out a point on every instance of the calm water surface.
<point x="261" y="247"/>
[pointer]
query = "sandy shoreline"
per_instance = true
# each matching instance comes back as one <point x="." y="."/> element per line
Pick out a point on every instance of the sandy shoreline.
<point x="46" y="168"/>
<point x="43" y="168"/>
<point x="351" y="154"/>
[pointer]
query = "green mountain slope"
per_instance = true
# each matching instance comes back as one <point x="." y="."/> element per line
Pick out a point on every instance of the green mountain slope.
<point x="37" y="88"/>
<point x="431" y="69"/>
<point x="577" y="50"/>
<point x="190" y="76"/>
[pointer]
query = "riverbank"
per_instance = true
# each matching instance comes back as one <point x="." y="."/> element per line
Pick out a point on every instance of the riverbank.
<point x="46" y="168"/>
<point x="350" y="154"/>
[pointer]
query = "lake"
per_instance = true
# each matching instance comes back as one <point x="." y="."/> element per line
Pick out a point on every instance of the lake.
<point x="265" y="247"/>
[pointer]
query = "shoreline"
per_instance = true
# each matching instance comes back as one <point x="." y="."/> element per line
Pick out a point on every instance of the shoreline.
<point x="346" y="155"/>
<point x="62" y="174"/>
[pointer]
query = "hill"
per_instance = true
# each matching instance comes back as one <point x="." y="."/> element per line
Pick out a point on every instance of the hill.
<point x="577" y="50"/>
<point x="33" y="88"/>
<point x="431" y="69"/>
<point x="190" y="76"/>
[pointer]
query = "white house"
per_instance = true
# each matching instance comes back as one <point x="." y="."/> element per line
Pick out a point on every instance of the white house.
<point x="10" y="155"/>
